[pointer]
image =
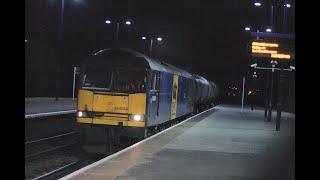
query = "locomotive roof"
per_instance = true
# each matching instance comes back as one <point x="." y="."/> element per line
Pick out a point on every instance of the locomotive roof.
<point x="201" y="79"/>
<point x="153" y="63"/>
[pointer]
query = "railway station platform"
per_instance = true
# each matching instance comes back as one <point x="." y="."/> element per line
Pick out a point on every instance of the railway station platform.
<point x="221" y="143"/>
<point x="48" y="106"/>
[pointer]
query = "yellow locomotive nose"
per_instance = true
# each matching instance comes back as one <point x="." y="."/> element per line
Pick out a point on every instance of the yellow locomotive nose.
<point x="110" y="108"/>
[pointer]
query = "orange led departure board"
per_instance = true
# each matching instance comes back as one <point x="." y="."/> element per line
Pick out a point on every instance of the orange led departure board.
<point x="272" y="49"/>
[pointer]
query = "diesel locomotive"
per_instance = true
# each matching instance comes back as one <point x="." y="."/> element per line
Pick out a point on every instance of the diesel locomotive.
<point x="125" y="93"/>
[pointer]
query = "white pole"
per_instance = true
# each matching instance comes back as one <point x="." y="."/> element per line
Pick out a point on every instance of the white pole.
<point x="74" y="81"/>
<point x="243" y="83"/>
<point x="151" y="42"/>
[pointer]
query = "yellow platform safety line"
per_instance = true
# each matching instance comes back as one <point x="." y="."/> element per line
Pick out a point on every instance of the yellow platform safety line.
<point x="174" y="100"/>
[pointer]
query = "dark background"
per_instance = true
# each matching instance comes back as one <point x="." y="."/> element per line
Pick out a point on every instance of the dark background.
<point x="202" y="37"/>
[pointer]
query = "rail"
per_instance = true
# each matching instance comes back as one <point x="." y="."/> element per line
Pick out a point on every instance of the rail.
<point x="50" y="138"/>
<point x="56" y="170"/>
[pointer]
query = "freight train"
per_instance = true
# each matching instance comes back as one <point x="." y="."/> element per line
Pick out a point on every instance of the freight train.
<point x="125" y="93"/>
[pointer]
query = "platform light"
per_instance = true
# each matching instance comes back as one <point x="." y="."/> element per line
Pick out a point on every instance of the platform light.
<point x="128" y="22"/>
<point x="254" y="65"/>
<point x="273" y="62"/>
<point x="287" y="5"/>
<point x="257" y="4"/>
<point x="255" y="74"/>
<point x="268" y="30"/>
<point x="292" y="68"/>
<point x="108" y="21"/>
<point x="247" y="29"/>
<point x="144" y="38"/>
<point x="159" y="39"/>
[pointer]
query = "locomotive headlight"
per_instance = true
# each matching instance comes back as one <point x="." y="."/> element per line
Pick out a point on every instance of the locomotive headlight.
<point x="136" y="117"/>
<point x="81" y="114"/>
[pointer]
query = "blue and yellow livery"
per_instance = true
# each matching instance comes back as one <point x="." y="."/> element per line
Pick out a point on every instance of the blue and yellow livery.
<point x="125" y="93"/>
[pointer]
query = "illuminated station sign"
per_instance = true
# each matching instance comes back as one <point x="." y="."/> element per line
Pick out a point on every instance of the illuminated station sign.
<point x="273" y="50"/>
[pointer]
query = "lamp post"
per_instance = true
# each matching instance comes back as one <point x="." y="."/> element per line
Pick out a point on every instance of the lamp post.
<point x="286" y="5"/>
<point x="243" y="85"/>
<point x="279" y="104"/>
<point x="159" y="39"/>
<point x="271" y="17"/>
<point x="126" y="22"/>
<point x="266" y="96"/>
<point x="284" y="22"/>
<point x="60" y="33"/>
<point x="273" y="64"/>
<point x="60" y="39"/>
<point x="280" y="100"/>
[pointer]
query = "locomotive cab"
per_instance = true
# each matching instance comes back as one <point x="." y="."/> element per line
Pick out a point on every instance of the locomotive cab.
<point x="112" y="97"/>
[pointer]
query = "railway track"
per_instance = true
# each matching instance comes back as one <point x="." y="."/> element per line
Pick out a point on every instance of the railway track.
<point x="48" y="125"/>
<point x="46" y="145"/>
<point x="46" y="158"/>
<point x="58" y="164"/>
<point x="48" y="174"/>
<point x="56" y="156"/>
<point x="50" y="138"/>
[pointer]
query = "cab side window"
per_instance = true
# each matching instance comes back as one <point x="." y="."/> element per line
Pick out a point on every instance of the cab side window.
<point x="156" y="80"/>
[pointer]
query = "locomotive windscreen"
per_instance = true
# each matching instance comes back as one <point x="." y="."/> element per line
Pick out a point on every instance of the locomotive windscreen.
<point x="129" y="80"/>
<point x="98" y="75"/>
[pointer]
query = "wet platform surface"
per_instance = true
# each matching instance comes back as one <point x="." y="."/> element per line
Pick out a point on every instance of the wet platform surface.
<point x="222" y="143"/>
<point x="48" y="105"/>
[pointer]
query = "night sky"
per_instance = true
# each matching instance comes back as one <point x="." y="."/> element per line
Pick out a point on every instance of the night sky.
<point x="203" y="37"/>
